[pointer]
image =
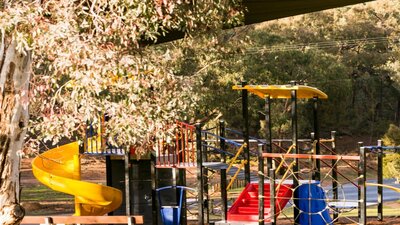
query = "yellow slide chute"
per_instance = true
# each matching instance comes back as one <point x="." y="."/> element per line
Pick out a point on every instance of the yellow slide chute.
<point x="59" y="169"/>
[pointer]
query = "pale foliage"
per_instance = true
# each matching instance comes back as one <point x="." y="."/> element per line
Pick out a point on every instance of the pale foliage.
<point x="391" y="166"/>
<point x="392" y="136"/>
<point x="89" y="61"/>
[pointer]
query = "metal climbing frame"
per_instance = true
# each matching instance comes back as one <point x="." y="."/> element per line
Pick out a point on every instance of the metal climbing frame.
<point x="361" y="186"/>
<point x="292" y="92"/>
<point x="380" y="150"/>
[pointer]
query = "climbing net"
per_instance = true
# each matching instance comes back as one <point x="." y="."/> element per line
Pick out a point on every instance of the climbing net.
<point x="315" y="195"/>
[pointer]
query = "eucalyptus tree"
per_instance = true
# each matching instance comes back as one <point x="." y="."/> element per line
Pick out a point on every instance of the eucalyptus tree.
<point x="67" y="62"/>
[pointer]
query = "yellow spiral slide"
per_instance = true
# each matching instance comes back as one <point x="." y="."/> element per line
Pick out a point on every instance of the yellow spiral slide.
<point x="59" y="169"/>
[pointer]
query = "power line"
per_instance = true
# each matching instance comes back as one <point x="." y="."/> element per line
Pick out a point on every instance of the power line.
<point x="320" y="45"/>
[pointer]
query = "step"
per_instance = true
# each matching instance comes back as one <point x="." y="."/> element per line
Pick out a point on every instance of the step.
<point x="246" y="219"/>
<point x="266" y="189"/>
<point x="254" y="194"/>
<point x="245" y="208"/>
<point x="223" y="222"/>
<point x="252" y="210"/>
<point x="254" y="202"/>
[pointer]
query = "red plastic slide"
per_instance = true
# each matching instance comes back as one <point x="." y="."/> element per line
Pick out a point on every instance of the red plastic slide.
<point x="245" y="208"/>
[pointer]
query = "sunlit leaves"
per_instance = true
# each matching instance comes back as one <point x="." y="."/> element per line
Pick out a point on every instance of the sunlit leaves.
<point x="89" y="62"/>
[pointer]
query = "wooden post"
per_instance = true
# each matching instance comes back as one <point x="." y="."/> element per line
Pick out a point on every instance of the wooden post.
<point x="82" y="220"/>
<point x="48" y="221"/>
<point x="131" y="220"/>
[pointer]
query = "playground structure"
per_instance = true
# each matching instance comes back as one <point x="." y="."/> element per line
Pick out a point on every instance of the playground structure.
<point x="266" y="194"/>
<point x="59" y="169"/>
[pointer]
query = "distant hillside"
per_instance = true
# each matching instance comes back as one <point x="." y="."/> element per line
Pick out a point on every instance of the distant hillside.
<point x="350" y="53"/>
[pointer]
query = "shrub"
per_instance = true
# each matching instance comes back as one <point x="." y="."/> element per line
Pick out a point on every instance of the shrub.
<point x="391" y="166"/>
<point x="392" y="136"/>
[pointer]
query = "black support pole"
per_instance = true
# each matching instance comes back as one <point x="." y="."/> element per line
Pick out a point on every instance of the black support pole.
<point x="205" y="182"/>
<point x="272" y="195"/>
<point x="359" y="181"/>
<point x="127" y="183"/>
<point x="317" y="173"/>
<point x="109" y="175"/>
<point x="199" y="175"/>
<point x="335" y="191"/>
<point x="224" y="195"/>
<point x="108" y="171"/>
<point x="296" y="148"/>
<point x="362" y="206"/>
<point x="380" y="180"/>
<point x="245" y="111"/>
<point x="154" y="202"/>
<point x="268" y="130"/>
<point x="222" y="141"/>
<point x="260" y="185"/>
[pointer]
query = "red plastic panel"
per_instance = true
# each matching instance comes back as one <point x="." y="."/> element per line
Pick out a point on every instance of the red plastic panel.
<point x="245" y="208"/>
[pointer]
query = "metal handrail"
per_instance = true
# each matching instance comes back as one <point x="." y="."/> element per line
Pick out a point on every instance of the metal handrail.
<point x="281" y="163"/>
<point x="236" y="174"/>
<point x="285" y="175"/>
<point x="235" y="157"/>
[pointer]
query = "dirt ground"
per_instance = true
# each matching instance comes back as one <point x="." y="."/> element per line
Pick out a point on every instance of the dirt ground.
<point x="37" y="199"/>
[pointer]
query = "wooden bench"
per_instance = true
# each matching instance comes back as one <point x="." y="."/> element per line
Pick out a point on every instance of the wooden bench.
<point x="130" y="220"/>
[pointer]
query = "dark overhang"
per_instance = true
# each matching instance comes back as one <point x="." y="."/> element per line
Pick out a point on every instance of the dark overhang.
<point x="264" y="10"/>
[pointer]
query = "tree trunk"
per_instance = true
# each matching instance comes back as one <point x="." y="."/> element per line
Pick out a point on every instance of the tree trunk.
<point x="15" y="68"/>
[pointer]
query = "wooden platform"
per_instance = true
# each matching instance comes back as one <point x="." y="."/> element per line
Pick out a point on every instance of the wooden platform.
<point x="130" y="220"/>
<point x="239" y="223"/>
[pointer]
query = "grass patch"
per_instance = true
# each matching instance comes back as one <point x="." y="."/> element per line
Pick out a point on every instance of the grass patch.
<point x="43" y="193"/>
<point x="372" y="211"/>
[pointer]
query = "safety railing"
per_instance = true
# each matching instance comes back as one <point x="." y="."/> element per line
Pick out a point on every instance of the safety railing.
<point x="233" y="160"/>
<point x="179" y="152"/>
<point x="377" y="153"/>
<point x="234" y="177"/>
<point x="94" y="143"/>
<point x="294" y="174"/>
